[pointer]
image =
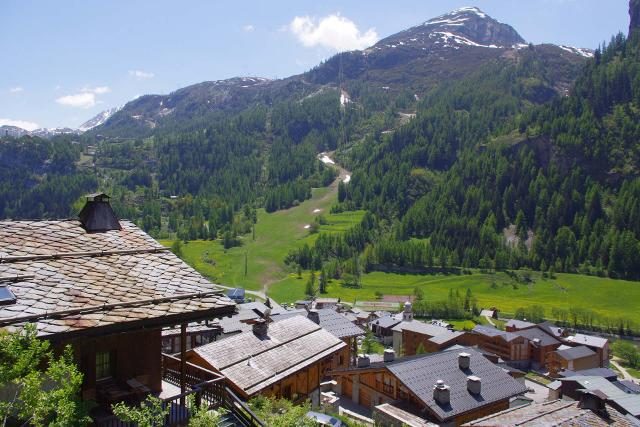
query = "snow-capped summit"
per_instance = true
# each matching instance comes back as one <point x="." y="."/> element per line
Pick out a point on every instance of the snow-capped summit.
<point x="98" y="119"/>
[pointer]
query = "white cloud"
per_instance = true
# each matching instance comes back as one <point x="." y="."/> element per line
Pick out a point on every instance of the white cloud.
<point x="19" y="123"/>
<point x="80" y="100"/>
<point x="141" y="75"/>
<point x="16" y="89"/>
<point x="248" y="28"/>
<point x="98" y="90"/>
<point x="333" y="31"/>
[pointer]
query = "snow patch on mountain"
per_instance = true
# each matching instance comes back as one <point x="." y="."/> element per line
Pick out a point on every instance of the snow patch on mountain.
<point x="98" y="119"/>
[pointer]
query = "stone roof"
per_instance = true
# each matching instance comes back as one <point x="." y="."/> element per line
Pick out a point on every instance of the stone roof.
<point x="574" y="353"/>
<point x="386" y="321"/>
<point x="593" y="372"/>
<point x="419" y="375"/>
<point x="67" y="280"/>
<point x="551" y="328"/>
<point x="553" y="413"/>
<point x="445" y="337"/>
<point x="336" y="323"/>
<point x="253" y="363"/>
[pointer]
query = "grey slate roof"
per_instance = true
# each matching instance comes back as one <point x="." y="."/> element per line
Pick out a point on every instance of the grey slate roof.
<point x="574" y="353"/>
<point x="74" y="280"/>
<point x="588" y="340"/>
<point x="445" y="337"/>
<point x="386" y="322"/>
<point x="535" y="333"/>
<point x="594" y="372"/>
<point x="551" y="328"/>
<point x="420" y="374"/>
<point x="420" y="328"/>
<point x="490" y="331"/>
<point x="519" y="324"/>
<point x="253" y="363"/>
<point x="554" y="413"/>
<point x="629" y="403"/>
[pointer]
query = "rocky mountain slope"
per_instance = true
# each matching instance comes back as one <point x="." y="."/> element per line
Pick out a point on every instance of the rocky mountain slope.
<point x="441" y="49"/>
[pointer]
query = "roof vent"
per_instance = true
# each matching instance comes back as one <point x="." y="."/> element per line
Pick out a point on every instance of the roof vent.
<point x="389" y="355"/>
<point x="97" y="215"/>
<point x="474" y="384"/>
<point x="441" y="393"/>
<point x="464" y="360"/>
<point x="363" y="361"/>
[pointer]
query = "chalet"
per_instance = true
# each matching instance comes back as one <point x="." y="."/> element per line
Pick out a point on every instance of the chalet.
<point x="382" y="328"/>
<point x="338" y="325"/>
<point x="557" y="413"/>
<point x="541" y="345"/>
<point x="573" y="359"/>
<point x="107" y="289"/>
<point x="553" y="330"/>
<point x="598" y="344"/>
<point x="511" y="347"/>
<point x="281" y="359"/>
<point x="447" y="388"/>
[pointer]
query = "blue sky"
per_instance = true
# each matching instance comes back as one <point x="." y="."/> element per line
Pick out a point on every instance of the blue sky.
<point x="65" y="61"/>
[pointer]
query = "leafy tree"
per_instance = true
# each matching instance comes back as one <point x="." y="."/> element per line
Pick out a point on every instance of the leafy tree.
<point x="281" y="412"/>
<point x="628" y="352"/>
<point x="176" y="248"/>
<point x="150" y="413"/>
<point x="368" y="342"/>
<point x="420" y="349"/>
<point x="201" y="416"/>
<point x="310" y="288"/>
<point x="46" y="389"/>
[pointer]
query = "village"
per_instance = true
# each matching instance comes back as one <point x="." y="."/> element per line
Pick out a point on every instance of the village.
<point x="141" y="322"/>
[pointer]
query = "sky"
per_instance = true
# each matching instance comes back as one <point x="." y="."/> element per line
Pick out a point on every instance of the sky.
<point x="65" y="61"/>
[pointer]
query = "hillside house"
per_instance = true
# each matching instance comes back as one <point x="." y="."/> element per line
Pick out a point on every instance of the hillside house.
<point x="447" y="388"/>
<point x="572" y="359"/>
<point x="107" y="289"/>
<point x="615" y="394"/>
<point x="514" y="325"/>
<point x="382" y="327"/>
<point x="511" y="347"/>
<point x="598" y="344"/>
<point x="541" y="345"/>
<point x="284" y="358"/>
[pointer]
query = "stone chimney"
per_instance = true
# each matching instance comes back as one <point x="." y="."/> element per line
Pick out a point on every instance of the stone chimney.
<point x="389" y="355"/>
<point x="362" y="361"/>
<point x="314" y="316"/>
<point x="441" y="393"/>
<point x="260" y="328"/>
<point x="407" y="314"/>
<point x="464" y="360"/>
<point x="97" y="216"/>
<point x="474" y="384"/>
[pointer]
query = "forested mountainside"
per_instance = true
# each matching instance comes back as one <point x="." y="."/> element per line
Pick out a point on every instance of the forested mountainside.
<point x="499" y="168"/>
<point x="488" y="181"/>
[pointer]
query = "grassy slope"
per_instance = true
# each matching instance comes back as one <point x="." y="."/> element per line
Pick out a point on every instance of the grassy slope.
<point x="276" y="234"/>
<point x="279" y="232"/>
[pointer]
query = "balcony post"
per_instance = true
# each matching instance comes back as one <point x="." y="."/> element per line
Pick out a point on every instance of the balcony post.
<point x="183" y="361"/>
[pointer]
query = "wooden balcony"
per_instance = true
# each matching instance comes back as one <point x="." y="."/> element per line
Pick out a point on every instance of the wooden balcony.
<point x="207" y="388"/>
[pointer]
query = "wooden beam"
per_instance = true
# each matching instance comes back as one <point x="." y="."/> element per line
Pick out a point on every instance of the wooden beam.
<point x="183" y="361"/>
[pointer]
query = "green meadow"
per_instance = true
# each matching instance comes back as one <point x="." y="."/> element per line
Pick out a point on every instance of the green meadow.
<point x="279" y="232"/>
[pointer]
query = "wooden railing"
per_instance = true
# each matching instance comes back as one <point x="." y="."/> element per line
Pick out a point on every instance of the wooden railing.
<point x="207" y="388"/>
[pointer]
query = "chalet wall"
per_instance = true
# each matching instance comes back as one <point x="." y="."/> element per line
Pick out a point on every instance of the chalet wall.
<point x="133" y="354"/>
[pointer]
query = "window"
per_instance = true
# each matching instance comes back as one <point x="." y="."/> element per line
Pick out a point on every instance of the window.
<point x="104" y="365"/>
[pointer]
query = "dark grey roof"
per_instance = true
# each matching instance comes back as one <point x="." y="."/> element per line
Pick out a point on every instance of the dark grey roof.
<point x="490" y="331"/>
<point x="445" y="337"/>
<point x="627" y="386"/>
<point x="420" y="375"/>
<point x="594" y="372"/>
<point x="535" y="333"/>
<point x="551" y="328"/>
<point x="386" y="322"/>
<point x="575" y="352"/>
<point x="421" y="328"/>
<point x="519" y="324"/>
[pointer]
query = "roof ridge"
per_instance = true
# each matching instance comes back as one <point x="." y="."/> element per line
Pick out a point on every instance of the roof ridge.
<point x="19" y="258"/>
<point x="536" y="416"/>
<point x="273" y="347"/>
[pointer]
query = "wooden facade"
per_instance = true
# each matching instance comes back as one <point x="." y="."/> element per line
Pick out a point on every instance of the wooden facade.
<point x="376" y="386"/>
